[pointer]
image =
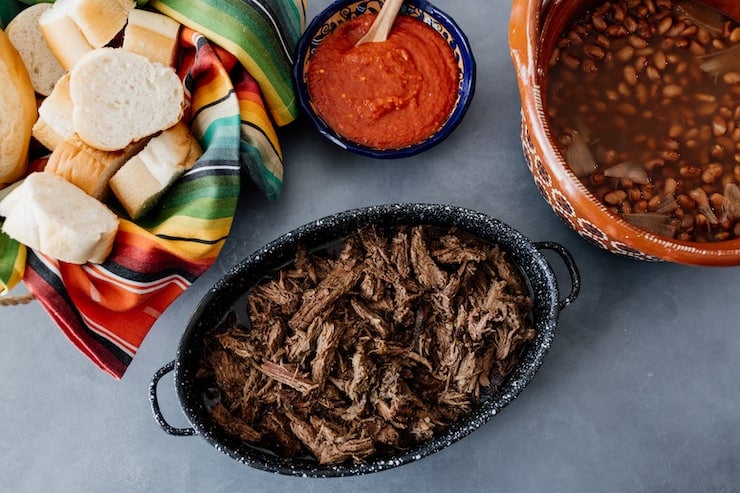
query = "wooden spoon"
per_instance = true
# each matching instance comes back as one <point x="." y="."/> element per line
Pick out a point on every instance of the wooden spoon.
<point x="382" y="26"/>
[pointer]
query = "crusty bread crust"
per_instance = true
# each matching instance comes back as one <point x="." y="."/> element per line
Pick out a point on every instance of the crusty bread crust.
<point x="46" y="134"/>
<point x="145" y="177"/>
<point x="88" y="168"/>
<point x="75" y="27"/>
<point x="99" y="20"/>
<point x="152" y="35"/>
<point x="64" y="38"/>
<point x="17" y="112"/>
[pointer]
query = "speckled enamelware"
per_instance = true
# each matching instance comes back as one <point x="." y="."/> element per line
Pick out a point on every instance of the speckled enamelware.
<point x="343" y="10"/>
<point x="534" y="28"/>
<point x="225" y="293"/>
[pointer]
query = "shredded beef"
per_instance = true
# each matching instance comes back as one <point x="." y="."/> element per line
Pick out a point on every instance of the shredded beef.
<point x="369" y="351"/>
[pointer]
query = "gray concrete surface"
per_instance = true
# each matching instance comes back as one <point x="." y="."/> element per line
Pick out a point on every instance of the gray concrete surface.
<point x="640" y="391"/>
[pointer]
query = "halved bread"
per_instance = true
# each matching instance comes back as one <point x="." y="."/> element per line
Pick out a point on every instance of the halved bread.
<point x="54" y="124"/>
<point x="88" y="168"/>
<point x="49" y="214"/>
<point x="152" y="35"/>
<point x="98" y="20"/>
<point x="74" y="27"/>
<point x="17" y="112"/>
<point x="64" y="38"/>
<point x="145" y="177"/>
<point x="120" y="97"/>
<point x="25" y="34"/>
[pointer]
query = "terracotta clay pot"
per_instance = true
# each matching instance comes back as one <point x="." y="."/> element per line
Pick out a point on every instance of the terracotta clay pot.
<point x="534" y="29"/>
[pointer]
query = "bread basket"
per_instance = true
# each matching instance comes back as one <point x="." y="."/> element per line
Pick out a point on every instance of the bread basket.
<point x="102" y="307"/>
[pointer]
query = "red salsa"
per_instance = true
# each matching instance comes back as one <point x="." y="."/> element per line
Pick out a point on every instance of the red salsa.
<point x="384" y="95"/>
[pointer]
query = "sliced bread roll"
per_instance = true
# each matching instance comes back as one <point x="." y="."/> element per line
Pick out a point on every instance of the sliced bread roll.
<point x="152" y="35"/>
<point x="74" y="27"/>
<point x="88" y="168"/>
<point x="25" y="34"/>
<point x="49" y="214"/>
<point x="120" y="97"/>
<point x="17" y="112"/>
<point x="63" y="37"/>
<point x="98" y="20"/>
<point x="145" y="177"/>
<point x="54" y="124"/>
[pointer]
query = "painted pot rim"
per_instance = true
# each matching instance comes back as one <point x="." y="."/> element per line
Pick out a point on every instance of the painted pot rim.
<point x="466" y="88"/>
<point x="525" y="42"/>
<point x="231" y="287"/>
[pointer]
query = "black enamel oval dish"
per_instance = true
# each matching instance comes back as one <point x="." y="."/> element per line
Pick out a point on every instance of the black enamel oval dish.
<point x="220" y="299"/>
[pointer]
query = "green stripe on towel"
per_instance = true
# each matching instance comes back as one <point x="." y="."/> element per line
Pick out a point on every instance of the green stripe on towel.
<point x="262" y="35"/>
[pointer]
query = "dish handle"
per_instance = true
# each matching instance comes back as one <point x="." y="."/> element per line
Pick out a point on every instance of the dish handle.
<point x="154" y="400"/>
<point x="570" y="264"/>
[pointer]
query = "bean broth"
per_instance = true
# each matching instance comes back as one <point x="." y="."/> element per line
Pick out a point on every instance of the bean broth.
<point x="644" y="102"/>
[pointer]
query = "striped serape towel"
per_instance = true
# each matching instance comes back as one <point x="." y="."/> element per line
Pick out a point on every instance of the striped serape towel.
<point x="261" y="34"/>
<point x="107" y="309"/>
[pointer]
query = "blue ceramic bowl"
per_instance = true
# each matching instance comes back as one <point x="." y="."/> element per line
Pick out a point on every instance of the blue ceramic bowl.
<point x="343" y="10"/>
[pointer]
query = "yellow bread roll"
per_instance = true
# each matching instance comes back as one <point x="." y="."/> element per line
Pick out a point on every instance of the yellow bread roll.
<point x="147" y="175"/>
<point x="87" y="167"/>
<point x="17" y="112"/>
<point x="75" y="27"/>
<point x="153" y="35"/>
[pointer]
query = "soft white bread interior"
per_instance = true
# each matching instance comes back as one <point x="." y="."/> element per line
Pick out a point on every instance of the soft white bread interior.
<point x="17" y="112"/>
<point x="64" y="38"/>
<point x="145" y="177"/>
<point x="153" y="35"/>
<point x="88" y="168"/>
<point x="25" y="34"/>
<point x="120" y="97"/>
<point x="54" y="124"/>
<point x="51" y="215"/>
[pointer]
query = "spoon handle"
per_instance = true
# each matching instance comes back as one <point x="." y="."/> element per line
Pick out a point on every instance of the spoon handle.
<point x="383" y="23"/>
